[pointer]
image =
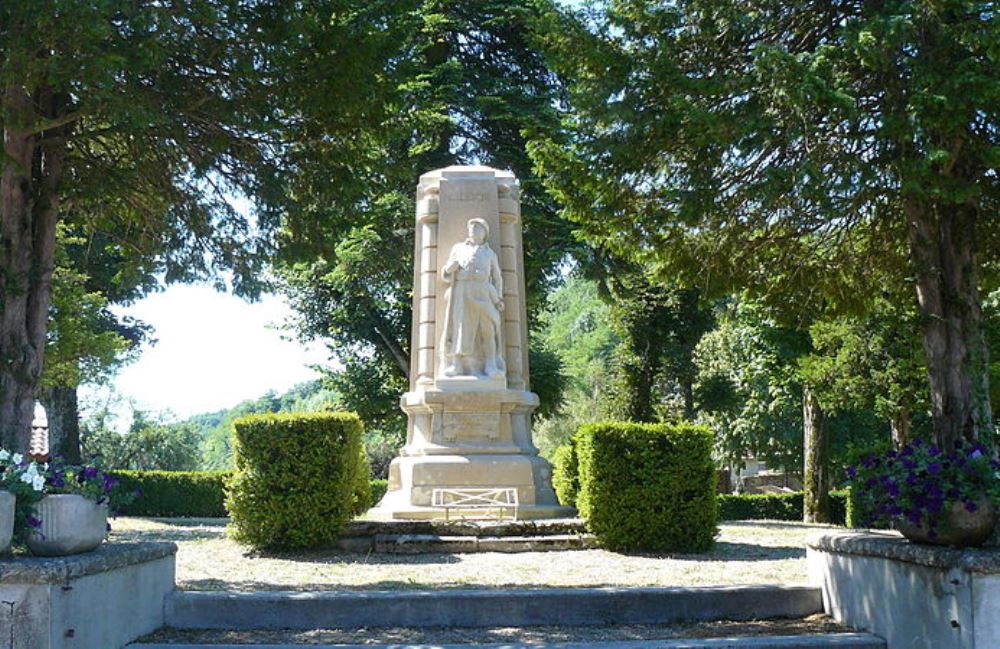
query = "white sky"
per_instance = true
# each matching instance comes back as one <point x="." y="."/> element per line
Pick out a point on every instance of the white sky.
<point x="213" y="351"/>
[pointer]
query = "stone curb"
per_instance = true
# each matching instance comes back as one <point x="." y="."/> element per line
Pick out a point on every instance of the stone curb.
<point x="892" y="546"/>
<point x="432" y="543"/>
<point x="541" y="527"/>
<point x="837" y="640"/>
<point x="59" y="570"/>
<point x="479" y="607"/>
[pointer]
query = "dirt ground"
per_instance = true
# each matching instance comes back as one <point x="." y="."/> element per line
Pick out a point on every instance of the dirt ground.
<point x="746" y="553"/>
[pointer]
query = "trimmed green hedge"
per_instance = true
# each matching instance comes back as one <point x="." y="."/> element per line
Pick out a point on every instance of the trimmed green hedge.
<point x="198" y="494"/>
<point x="749" y="507"/>
<point x="566" y="473"/>
<point x="297" y="478"/>
<point x="648" y="486"/>
<point x="378" y="486"/>
<point x="775" y="507"/>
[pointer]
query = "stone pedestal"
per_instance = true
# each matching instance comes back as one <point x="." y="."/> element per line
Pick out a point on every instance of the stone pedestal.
<point x="469" y="405"/>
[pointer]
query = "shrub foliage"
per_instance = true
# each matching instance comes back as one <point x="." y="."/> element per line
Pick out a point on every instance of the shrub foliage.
<point x="566" y="473"/>
<point x="775" y="507"/>
<point x="296" y="478"/>
<point x="648" y="486"/>
<point x="174" y="493"/>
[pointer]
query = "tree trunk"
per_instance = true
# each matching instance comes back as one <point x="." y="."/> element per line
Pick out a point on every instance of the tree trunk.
<point x="62" y="408"/>
<point x="815" y="474"/>
<point x="899" y="426"/>
<point x="687" y="391"/>
<point x="942" y="250"/>
<point x="20" y="364"/>
<point x="31" y="171"/>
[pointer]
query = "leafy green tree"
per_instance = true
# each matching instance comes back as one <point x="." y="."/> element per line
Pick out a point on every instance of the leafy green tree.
<point x="659" y="328"/>
<point x="872" y="363"/>
<point x="470" y="85"/>
<point x="747" y="387"/>
<point x="576" y="327"/>
<point x="784" y="147"/>
<point x="86" y="341"/>
<point x="148" y="445"/>
<point x="143" y="118"/>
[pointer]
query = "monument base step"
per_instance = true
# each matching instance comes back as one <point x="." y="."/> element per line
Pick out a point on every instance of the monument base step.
<point x="432" y="543"/>
<point x="417" y="513"/>
<point x="805" y="641"/>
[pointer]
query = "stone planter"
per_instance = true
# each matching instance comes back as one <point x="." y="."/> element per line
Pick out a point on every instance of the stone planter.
<point x="915" y="596"/>
<point x="6" y="520"/>
<point x="70" y="524"/>
<point x="959" y="527"/>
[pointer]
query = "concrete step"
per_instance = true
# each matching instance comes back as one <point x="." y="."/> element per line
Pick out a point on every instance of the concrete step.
<point x="433" y="543"/>
<point x="413" y="537"/>
<point x="486" y="607"/>
<point x="827" y="641"/>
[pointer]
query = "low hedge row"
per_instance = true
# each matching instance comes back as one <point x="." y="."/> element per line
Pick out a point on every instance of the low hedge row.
<point x="647" y="486"/>
<point x="776" y="507"/>
<point x="197" y="494"/>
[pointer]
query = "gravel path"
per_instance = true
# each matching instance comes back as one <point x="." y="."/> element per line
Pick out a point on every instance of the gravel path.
<point x="746" y="553"/>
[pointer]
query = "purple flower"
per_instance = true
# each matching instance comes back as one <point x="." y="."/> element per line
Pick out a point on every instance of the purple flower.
<point x="970" y="506"/>
<point x="933" y="468"/>
<point x="934" y="451"/>
<point x="852" y="471"/>
<point x="34" y="521"/>
<point x="110" y="482"/>
<point x="88" y="473"/>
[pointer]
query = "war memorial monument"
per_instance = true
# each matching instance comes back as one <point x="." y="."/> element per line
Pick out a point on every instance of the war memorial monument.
<point x="469" y="404"/>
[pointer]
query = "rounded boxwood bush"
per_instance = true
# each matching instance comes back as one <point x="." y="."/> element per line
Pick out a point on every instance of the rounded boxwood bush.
<point x="296" y="478"/>
<point x="648" y="486"/>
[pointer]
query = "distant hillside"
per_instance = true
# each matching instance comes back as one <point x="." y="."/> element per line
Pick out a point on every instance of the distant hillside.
<point x="214" y="428"/>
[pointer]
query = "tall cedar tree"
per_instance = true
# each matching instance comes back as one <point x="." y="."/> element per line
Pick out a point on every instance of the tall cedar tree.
<point x="812" y="151"/>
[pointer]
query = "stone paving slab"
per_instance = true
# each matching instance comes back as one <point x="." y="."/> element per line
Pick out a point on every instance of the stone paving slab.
<point x="829" y="641"/>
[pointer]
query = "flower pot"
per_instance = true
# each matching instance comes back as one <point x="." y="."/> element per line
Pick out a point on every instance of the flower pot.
<point x="6" y="520"/>
<point x="958" y="526"/>
<point x="70" y="524"/>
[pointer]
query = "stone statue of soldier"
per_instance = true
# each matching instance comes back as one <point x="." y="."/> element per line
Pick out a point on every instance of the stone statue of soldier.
<point x="471" y="343"/>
